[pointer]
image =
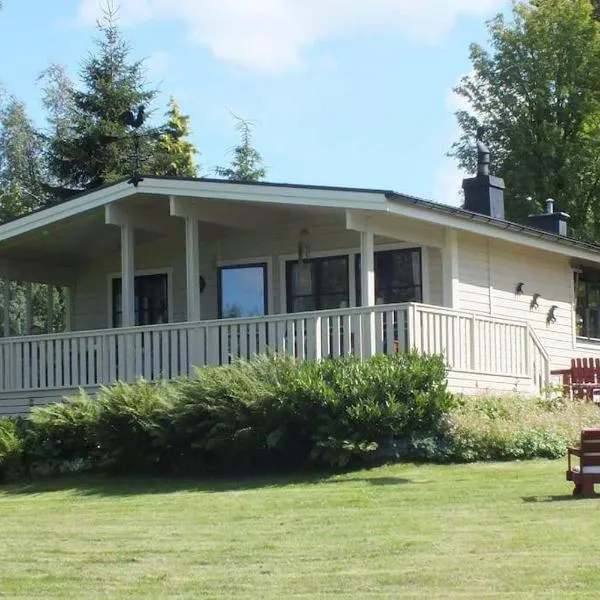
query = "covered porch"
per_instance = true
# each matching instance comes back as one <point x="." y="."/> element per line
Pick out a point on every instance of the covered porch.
<point x="178" y="274"/>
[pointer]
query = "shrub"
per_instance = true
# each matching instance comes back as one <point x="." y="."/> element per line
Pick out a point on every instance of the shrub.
<point x="10" y="449"/>
<point x="221" y="416"/>
<point x="342" y="410"/>
<point x="508" y="428"/>
<point x="275" y="413"/>
<point x="133" y="432"/>
<point x="62" y="433"/>
<point x="272" y="412"/>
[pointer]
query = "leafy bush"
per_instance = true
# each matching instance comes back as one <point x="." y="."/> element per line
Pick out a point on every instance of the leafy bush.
<point x="220" y="419"/>
<point x="344" y="409"/>
<point x="508" y="428"/>
<point x="61" y="433"/>
<point x="10" y="449"/>
<point x="133" y="427"/>
<point x="276" y="413"/>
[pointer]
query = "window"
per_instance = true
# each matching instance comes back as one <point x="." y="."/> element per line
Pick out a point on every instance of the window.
<point x="397" y="276"/>
<point x="317" y="284"/>
<point x="588" y="303"/>
<point x="151" y="300"/>
<point x="243" y="291"/>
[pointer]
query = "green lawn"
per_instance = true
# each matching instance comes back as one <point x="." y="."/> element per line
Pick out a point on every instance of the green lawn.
<point x="470" y="531"/>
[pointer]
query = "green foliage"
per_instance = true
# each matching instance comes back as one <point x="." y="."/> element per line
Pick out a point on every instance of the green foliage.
<point x="21" y="164"/>
<point x="536" y="92"/>
<point x="273" y="413"/>
<point x="220" y="414"/>
<point x="509" y="428"/>
<point x="10" y="448"/>
<point x="62" y="433"/>
<point x="247" y="163"/>
<point x="173" y="155"/>
<point x="90" y="144"/>
<point x="268" y="413"/>
<point x="133" y="427"/>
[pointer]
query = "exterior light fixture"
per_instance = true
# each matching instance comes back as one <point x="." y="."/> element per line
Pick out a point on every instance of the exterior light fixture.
<point x="303" y="245"/>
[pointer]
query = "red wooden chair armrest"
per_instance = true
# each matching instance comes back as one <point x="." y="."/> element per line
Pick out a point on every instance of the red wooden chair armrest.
<point x="560" y="372"/>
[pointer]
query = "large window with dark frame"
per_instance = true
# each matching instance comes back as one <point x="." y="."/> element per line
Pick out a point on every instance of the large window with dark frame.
<point x="398" y="276"/>
<point x="323" y="283"/>
<point x="587" y="282"/>
<point x="151" y="300"/>
<point x="317" y="284"/>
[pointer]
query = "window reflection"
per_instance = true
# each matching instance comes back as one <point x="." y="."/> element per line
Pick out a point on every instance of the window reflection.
<point x="317" y="284"/>
<point x="243" y="291"/>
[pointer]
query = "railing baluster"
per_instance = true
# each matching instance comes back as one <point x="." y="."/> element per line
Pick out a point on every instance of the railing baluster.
<point x="184" y="367"/>
<point x="262" y="337"/>
<point x="252" y="339"/>
<point x="243" y="342"/>
<point x="174" y="351"/>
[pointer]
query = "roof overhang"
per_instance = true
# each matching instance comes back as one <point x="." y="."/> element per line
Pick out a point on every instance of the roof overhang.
<point x="338" y="198"/>
<point x="467" y="221"/>
<point x="318" y="197"/>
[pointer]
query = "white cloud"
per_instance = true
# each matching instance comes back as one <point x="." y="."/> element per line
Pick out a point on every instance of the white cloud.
<point x="273" y="35"/>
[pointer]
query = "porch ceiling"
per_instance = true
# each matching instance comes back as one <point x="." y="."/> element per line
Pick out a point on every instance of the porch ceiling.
<point x="75" y="240"/>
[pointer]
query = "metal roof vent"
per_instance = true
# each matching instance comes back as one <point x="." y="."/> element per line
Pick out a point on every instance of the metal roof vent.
<point x="554" y="222"/>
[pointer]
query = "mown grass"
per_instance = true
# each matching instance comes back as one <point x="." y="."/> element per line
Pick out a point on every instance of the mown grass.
<point x="508" y="530"/>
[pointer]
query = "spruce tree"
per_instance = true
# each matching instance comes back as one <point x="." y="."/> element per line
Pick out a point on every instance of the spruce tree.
<point x="173" y="154"/>
<point x="247" y="162"/>
<point x="94" y="145"/>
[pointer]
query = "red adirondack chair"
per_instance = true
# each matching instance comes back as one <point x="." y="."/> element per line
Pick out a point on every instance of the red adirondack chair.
<point x="582" y="380"/>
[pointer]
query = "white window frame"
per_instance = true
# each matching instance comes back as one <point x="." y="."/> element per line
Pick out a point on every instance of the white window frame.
<point x="168" y="271"/>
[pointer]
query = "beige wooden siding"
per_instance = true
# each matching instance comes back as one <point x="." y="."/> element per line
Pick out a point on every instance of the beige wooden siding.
<point x="434" y="258"/>
<point x="486" y="384"/>
<point x="489" y="273"/>
<point x="224" y="246"/>
<point x="473" y="274"/>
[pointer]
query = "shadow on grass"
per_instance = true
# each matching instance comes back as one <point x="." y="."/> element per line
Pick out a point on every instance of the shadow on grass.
<point x="563" y="498"/>
<point x="370" y="480"/>
<point x="89" y="485"/>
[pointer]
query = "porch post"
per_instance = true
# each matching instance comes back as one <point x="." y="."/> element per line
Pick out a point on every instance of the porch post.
<point x="6" y="293"/>
<point x="192" y="268"/>
<point x="367" y="275"/>
<point x="367" y="268"/>
<point x="450" y="268"/>
<point x="28" y="309"/>
<point x="127" y="276"/>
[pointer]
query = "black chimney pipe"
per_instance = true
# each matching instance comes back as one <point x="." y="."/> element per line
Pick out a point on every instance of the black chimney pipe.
<point x="484" y="194"/>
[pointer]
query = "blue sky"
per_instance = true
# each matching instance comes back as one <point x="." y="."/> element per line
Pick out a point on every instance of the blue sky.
<point x="343" y="92"/>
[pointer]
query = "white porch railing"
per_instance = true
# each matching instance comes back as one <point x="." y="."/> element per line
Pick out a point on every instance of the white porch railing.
<point x="470" y="342"/>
